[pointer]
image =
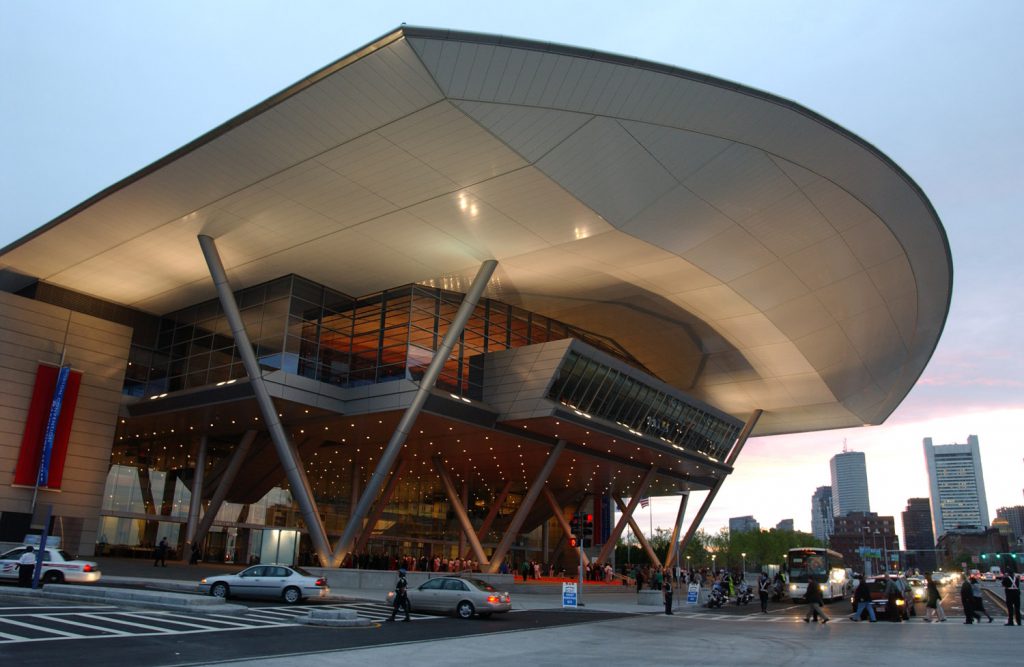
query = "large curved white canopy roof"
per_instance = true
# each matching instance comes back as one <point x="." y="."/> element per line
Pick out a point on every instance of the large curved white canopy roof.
<point x="742" y="247"/>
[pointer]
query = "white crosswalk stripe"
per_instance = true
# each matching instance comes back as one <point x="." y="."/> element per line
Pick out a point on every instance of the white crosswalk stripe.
<point x="35" y="624"/>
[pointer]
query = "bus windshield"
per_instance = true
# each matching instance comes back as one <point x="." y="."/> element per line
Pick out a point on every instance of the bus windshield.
<point x="804" y="565"/>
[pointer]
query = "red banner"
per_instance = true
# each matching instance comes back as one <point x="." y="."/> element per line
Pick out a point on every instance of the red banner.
<point x="35" y="428"/>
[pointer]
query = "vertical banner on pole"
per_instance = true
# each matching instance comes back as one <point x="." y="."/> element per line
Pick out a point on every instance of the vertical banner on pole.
<point x="44" y="443"/>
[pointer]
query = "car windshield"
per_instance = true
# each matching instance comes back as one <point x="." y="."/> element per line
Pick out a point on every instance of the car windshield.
<point x="482" y="585"/>
<point x="65" y="555"/>
<point x="299" y="570"/>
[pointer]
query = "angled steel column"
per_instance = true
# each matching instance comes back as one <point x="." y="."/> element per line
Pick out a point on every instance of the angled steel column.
<point x="394" y="446"/>
<point x="641" y="488"/>
<point x="730" y="459"/>
<point x="528" y="500"/>
<point x="293" y="471"/>
<point x="226" y="480"/>
<point x="380" y="505"/>
<point x="460" y="511"/>
<point x="560" y="516"/>
<point x="491" y="514"/>
<point x="676" y="527"/>
<point x="196" y="500"/>
<point x="644" y="543"/>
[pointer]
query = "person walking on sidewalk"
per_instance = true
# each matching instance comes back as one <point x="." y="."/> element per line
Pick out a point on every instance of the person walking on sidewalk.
<point x="967" y="601"/>
<point x="813" y="597"/>
<point x="26" y="567"/>
<point x="1011" y="584"/>
<point x="401" y="600"/>
<point x="933" y="603"/>
<point x="862" y="596"/>
<point x="160" y="553"/>
<point x="979" y="601"/>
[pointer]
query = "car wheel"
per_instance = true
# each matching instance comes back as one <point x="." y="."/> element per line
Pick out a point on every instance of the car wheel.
<point x="53" y="577"/>
<point x="465" y="609"/>
<point x="220" y="590"/>
<point x="291" y="595"/>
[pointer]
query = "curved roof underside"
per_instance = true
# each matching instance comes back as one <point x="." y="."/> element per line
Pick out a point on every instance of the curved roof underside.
<point x="740" y="246"/>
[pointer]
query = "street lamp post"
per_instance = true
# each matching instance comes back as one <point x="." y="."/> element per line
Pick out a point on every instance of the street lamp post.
<point x="713" y="563"/>
<point x="744" y="571"/>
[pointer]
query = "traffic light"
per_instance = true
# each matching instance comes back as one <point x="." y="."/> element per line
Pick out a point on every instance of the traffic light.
<point x="588" y="530"/>
<point x="573" y="542"/>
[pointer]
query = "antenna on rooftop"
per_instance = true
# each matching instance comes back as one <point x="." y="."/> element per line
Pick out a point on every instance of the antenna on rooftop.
<point x="845" y="448"/>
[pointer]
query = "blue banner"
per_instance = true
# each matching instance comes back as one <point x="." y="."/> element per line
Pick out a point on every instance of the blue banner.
<point x="51" y="425"/>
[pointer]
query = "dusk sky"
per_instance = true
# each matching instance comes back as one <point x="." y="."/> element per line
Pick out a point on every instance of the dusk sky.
<point x="94" y="91"/>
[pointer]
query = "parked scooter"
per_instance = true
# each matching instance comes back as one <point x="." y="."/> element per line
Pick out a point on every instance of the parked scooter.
<point x="744" y="594"/>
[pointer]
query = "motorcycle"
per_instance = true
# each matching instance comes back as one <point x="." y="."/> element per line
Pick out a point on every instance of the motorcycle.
<point x="778" y="591"/>
<point x="744" y="595"/>
<point x="717" y="598"/>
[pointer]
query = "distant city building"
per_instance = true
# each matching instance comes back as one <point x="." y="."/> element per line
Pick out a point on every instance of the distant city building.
<point x="859" y="530"/>
<point x="822" y="518"/>
<point x="785" y="524"/>
<point x="1015" y="517"/>
<point x="956" y="545"/>
<point x="849" y="483"/>
<point x="957" y="486"/>
<point x="743" y="524"/>
<point x="919" y="541"/>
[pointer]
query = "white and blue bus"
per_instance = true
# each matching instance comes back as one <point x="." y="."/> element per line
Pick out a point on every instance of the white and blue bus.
<point x="826" y="566"/>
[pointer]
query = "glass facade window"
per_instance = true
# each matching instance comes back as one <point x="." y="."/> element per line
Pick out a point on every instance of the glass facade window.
<point x="594" y="389"/>
<point x="300" y="327"/>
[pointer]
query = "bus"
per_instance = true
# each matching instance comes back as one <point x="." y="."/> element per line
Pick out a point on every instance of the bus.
<point x="827" y="568"/>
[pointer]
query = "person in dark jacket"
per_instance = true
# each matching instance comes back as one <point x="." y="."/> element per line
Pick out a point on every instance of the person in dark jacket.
<point x="979" y="600"/>
<point x="1011" y="584"/>
<point x="967" y="601"/>
<point x="862" y="596"/>
<point x="813" y="597"/>
<point x="666" y="591"/>
<point x="401" y="600"/>
<point x="764" y="587"/>
<point x="933" y="604"/>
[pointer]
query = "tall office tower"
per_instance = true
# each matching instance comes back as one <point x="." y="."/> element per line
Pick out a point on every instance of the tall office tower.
<point x="786" y="525"/>
<point x="957" y="486"/>
<point x="743" y="524"/>
<point x="1015" y="517"/>
<point x="918" y="539"/>
<point x="822" y="519"/>
<point x="849" y="483"/>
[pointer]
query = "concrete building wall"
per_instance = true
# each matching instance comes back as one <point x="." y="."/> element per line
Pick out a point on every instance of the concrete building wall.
<point x="32" y="332"/>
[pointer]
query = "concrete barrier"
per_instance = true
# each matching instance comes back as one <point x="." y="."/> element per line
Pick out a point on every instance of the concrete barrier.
<point x="189" y="603"/>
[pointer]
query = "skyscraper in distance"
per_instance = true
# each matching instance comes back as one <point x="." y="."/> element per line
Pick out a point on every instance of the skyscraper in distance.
<point x="822" y="518"/>
<point x="849" y="483"/>
<point x="918" y="538"/>
<point x="957" y="486"/>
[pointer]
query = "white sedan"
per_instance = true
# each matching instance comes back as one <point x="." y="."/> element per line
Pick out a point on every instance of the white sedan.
<point x="291" y="584"/>
<point x="58" y="567"/>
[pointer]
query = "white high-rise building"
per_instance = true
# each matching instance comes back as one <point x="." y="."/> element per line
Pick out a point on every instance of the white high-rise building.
<point x="957" y="486"/>
<point x="822" y="519"/>
<point x="849" y="483"/>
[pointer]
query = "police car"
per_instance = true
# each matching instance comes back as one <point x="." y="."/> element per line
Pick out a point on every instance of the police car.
<point x="58" y="567"/>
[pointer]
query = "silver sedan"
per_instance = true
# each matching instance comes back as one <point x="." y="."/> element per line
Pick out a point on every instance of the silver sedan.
<point x="290" y="584"/>
<point x="465" y="596"/>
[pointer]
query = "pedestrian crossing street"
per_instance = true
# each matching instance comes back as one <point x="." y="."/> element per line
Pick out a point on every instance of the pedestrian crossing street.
<point x="37" y="624"/>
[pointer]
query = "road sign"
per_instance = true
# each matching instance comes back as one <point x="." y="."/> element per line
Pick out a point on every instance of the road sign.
<point x="568" y="595"/>
<point x="692" y="593"/>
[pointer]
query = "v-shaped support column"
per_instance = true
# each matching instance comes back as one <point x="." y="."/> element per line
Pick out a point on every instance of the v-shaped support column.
<point x="644" y="544"/>
<point x="673" y="543"/>
<point x="560" y="517"/>
<point x="460" y="511"/>
<point x="293" y="470"/>
<point x="226" y="480"/>
<point x="733" y="453"/>
<point x="394" y="446"/>
<point x="627" y="515"/>
<point x="380" y="506"/>
<point x="491" y="514"/>
<point x="528" y="501"/>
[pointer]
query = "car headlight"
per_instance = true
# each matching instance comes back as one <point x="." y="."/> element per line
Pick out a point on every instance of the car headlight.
<point x="900" y="603"/>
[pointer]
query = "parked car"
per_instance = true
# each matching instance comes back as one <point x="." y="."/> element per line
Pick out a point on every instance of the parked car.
<point x="463" y="596"/>
<point x="291" y="584"/>
<point x="880" y="601"/>
<point x="58" y="567"/>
